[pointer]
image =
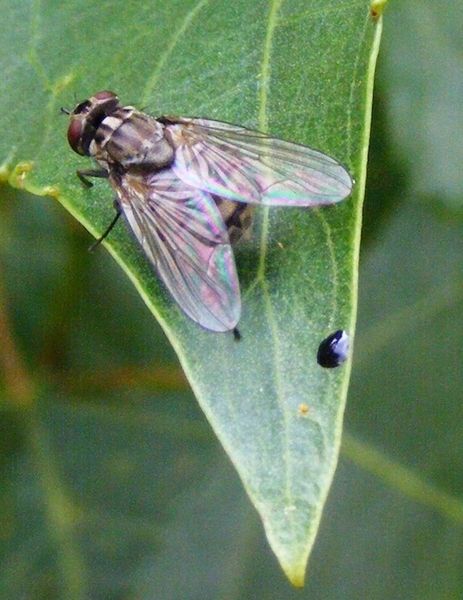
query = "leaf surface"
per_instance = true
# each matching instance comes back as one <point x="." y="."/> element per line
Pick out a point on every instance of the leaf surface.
<point x="298" y="70"/>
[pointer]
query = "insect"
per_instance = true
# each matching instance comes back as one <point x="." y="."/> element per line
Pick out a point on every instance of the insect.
<point x="334" y="349"/>
<point x="184" y="185"/>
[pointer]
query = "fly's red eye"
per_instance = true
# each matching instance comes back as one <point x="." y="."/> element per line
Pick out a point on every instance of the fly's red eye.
<point x="75" y="135"/>
<point x="87" y="117"/>
<point x="105" y="95"/>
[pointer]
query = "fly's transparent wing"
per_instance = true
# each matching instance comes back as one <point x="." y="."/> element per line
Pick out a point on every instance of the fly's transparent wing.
<point x="181" y="231"/>
<point x="248" y="166"/>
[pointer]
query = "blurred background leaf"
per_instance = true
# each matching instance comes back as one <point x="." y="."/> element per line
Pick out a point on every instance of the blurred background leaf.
<point x="126" y="493"/>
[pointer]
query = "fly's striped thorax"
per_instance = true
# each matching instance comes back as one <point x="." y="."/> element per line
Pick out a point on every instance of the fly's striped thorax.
<point x="106" y="130"/>
<point x="132" y="139"/>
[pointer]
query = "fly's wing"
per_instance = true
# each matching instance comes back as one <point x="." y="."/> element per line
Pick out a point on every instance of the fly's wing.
<point x="181" y="231"/>
<point x="248" y="166"/>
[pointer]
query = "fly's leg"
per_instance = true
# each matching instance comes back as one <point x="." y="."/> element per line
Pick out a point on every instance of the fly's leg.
<point x="83" y="174"/>
<point x="108" y="229"/>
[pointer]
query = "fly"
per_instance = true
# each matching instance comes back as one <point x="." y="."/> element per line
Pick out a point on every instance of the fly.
<point x="184" y="186"/>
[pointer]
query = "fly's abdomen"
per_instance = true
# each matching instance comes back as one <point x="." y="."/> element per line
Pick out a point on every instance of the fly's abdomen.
<point x="238" y="219"/>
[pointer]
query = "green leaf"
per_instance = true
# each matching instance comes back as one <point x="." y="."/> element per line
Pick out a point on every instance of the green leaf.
<point x="299" y="70"/>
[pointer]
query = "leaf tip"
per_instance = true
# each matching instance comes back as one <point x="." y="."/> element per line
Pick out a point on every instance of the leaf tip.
<point x="296" y="573"/>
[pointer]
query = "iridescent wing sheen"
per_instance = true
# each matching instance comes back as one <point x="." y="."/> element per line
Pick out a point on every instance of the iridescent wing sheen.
<point x="248" y="166"/>
<point x="181" y="231"/>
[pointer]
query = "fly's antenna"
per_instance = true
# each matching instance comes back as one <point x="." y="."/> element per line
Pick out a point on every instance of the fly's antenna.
<point x="66" y="111"/>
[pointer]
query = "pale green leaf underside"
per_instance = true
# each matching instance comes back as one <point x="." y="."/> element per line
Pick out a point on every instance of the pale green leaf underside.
<point x="300" y="70"/>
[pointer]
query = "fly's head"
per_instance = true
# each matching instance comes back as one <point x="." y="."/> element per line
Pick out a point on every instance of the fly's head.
<point x="87" y="117"/>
